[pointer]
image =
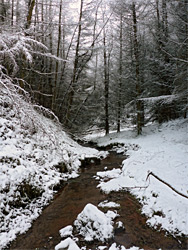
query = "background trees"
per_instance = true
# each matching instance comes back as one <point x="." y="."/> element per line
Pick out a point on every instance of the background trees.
<point x="105" y="59"/>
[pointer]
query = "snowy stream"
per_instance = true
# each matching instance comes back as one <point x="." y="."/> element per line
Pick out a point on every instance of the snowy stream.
<point x="71" y="200"/>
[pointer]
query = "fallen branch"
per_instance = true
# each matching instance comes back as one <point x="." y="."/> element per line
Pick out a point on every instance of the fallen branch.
<point x="159" y="179"/>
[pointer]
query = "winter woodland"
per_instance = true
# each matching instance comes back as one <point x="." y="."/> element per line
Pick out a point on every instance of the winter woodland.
<point x="92" y="66"/>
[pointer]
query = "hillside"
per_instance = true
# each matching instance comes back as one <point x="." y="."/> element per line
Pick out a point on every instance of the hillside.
<point x="36" y="155"/>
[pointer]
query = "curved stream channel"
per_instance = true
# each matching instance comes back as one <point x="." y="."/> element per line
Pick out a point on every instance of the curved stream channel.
<point x="71" y="200"/>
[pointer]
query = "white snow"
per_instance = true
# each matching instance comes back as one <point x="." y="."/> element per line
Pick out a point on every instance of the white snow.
<point x="120" y="224"/>
<point x="68" y="244"/>
<point x="93" y="224"/>
<point x="115" y="247"/>
<point x="109" y="174"/>
<point x="108" y="204"/>
<point x="31" y="145"/>
<point x="66" y="231"/>
<point x="163" y="150"/>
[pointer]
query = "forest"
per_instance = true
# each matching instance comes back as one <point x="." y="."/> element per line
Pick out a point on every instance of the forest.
<point x="95" y="63"/>
<point x="93" y="124"/>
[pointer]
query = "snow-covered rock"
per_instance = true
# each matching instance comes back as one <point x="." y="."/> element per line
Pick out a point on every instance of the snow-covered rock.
<point x="66" y="231"/>
<point x="93" y="224"/>
<point x="67" y="244"/>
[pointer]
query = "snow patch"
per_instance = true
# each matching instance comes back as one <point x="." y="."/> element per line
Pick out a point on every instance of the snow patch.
<point x="108" y="204"/>
<point x="66" y="231"/>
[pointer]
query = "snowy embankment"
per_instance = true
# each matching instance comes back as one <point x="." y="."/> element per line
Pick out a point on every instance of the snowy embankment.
<point x="35" y="155"/>
<point x="162" y="150"/>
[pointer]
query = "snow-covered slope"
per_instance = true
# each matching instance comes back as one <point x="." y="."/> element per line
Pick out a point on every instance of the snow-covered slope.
<point x="162" y="150"/>
<point x="33" y="150"/>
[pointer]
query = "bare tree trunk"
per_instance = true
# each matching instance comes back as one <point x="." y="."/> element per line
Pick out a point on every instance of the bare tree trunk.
<point x="165" y="19"/>
<point x="165" y="29"/>
<point x="12" y="14"/>
<point x="159" y="37"/>
<point x="106" y="84"/>
<point x="63" y="40"/>
<point x="76" y="63"/>
<point x="36" y="22"/>
<point x="30" y="12"/>
<point x="42" y="20"/>
<point x="3" y="12"/>
<point x="49" y="62"/>
<point x="120" y="74"/>
<point x="17" y="11"/>
<point x="57" y="63"/>
<point x="96" y="71"/>
<point x="137" y="69"/>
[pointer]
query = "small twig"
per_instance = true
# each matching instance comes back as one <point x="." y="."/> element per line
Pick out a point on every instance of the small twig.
<point x="167" y="184"/>
<point x="135" y="187"/>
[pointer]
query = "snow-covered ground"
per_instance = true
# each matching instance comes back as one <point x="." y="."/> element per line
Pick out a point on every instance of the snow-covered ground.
<point x="32" y="150"/>
<point x="162" y="150"/>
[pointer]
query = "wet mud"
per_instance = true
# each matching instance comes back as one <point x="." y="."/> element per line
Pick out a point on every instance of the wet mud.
<point x="71" y="200"/>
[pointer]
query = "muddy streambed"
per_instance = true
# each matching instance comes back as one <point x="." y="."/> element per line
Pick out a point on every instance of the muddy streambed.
<point x="71" y="200"/>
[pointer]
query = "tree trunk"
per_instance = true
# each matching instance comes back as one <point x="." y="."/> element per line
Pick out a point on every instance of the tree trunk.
<point x="137" y="69"/>
<point x="17" y="11"/>
<point x="3" y="12"/>
<point x="159" y="37"/>
<point x="12" y="14"/>
<point x="120" y="74"/>
<point x="75" y="68"/>
<point x="106" y="84"/>
<point x="30" y="12"/>
<point x="165" y="20"/>
<point x="57" y="63"/>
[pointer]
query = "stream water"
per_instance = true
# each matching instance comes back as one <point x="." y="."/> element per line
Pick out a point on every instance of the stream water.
<point x="71" y="200"/>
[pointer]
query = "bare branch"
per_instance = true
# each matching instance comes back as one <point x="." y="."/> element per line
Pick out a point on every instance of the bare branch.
<point x="167" y="184"/>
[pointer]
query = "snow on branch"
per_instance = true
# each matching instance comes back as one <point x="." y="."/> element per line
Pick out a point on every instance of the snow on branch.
<point x="20" y="104"/>
<point x="17" y="47"/>
<point x="163" y="99"/>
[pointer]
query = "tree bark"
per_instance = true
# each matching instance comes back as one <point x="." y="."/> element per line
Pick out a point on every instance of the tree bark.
<point x="120" y="74"/>
<point x="57" y="63"/>
<point x="12" y="14"/>
<point x="75" y="68"/>
<point x="30" y="12"/>
<point x="106" y="84"/>
<point x="137" y="70"/>
<point x="3" y="12"/>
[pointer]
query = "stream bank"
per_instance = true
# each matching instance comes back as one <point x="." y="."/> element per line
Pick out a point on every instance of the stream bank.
<point x="71" y="200"/>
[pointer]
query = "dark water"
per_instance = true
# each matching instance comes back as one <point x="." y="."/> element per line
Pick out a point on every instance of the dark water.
<point x="71" y="200"/>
